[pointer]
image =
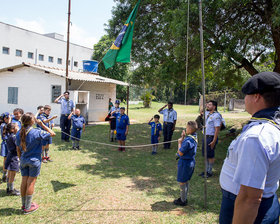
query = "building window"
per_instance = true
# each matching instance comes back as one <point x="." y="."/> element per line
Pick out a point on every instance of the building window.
<point x="69" y="62"/>
<point x="56" y="92"/>
<point x="19" y="53"/>
<point x="41" y="57"/>
<point x="75" y="63"/>
<point x="12" y="95"/>
<point x="59" y="61"/>
<point x="6" y="50"/>
<point x="30" y="55"/>
<point x="51" y="59"/>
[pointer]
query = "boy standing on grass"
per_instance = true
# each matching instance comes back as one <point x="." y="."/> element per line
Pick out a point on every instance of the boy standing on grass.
<point x="122" y="127"/>
<point x="187" y="146"/>
<point x="48" y="121"/>
<point x="78" y="126"/>
<point x="155" y="132"/>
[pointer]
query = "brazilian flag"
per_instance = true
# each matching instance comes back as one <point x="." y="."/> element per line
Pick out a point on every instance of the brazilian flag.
<point x="121" y="48"/>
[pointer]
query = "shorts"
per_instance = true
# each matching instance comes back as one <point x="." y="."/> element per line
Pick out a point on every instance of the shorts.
<point x="47" y="142"/>
<point x="210" y="152"/>
<point x="154" y="139"/>
<point x="4" y="149"/>
<point x="76" y="133"/>
<point x="12" y="163"/>
<point x="185" y="170"/>
<point x="113" y="124"/>
<point x="121" y="136"/>
<point x="30" y="167"/>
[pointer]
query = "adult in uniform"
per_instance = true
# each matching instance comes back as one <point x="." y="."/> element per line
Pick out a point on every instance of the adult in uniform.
<point x="251" y="171"/>
<point x="67" y="106"/>
<point x="169" y="123"/>
<point x="212" y="128"/>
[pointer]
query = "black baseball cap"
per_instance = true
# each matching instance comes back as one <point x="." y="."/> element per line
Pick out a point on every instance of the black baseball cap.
<point x="262" y="83"/>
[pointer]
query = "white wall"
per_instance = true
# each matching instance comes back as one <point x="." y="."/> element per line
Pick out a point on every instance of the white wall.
<point x="98" y="108"/>
<point x="27" y="41"/>
<point x="34" y="89"/>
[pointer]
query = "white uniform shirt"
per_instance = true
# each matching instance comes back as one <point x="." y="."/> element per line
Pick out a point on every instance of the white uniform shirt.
<point x="212" y="120"/>
<point x="253" y="160"/>
<point x="113" y="108"/>
<point x="169" y="115"/>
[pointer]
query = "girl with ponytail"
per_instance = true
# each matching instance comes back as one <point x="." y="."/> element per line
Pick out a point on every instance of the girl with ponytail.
<point x="29" y="141"/>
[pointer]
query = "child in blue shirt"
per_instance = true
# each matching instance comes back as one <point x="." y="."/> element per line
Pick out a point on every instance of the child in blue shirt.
<point x="29" y="149"/>
<point x="5" y="118"/>
<point x="48" y="121"/>
<point x="156" y="129"/>
<point x="187" y="146"/>
<point x="122" y="127"/>
<point x="12" y="161"/>
<point x="18" y="112"/>
<point x="78" y="126"/>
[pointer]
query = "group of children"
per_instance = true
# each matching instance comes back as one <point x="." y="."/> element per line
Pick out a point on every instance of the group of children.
<point x="187" y="145"/>
<point x="22" y="147"/>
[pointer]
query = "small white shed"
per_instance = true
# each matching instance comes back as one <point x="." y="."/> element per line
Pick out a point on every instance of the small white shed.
<point x="28" y="86"/>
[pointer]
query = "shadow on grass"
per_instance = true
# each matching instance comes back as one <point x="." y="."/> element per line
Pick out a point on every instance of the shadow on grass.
<point x="57" y="186"/>
<point x="154" y="175"/>
<point x="3" y="193"/>
<point x="10" y="211"/>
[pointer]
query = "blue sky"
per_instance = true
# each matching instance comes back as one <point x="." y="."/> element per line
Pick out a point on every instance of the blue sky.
<point x="45" y="16"/>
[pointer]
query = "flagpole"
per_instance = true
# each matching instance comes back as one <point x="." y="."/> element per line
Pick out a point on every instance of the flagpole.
<point x="67" y="50"/>
<point x="187" y="54"/>
<point x="204" y="103"/>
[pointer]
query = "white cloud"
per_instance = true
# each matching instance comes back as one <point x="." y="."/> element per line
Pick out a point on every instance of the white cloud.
<point x="33" y="25"/>
<point x="79" y="36"/>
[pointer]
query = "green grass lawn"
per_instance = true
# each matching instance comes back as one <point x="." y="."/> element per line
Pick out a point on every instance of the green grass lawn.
<point x="102" y="185"/>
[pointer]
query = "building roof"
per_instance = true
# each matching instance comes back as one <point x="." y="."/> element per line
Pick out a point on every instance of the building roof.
<point x="73" y="75"/>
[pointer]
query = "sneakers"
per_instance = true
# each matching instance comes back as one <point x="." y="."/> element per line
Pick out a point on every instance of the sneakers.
<point x="13" y="192"/>
<point x="112" y="140"/>
<point x="33" y="208"/>
<point x="179" y="202"/>
<point x="48" y="159"/>
<point x="44" y="160"/>
<point x="78" y="148"/>
<point x="154" y="153"/>
<point x="207" y="174"/>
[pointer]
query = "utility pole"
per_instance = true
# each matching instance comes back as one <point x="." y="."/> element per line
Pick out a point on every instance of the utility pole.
<point x="204" y="102"/>
<point x="67" y="49"/>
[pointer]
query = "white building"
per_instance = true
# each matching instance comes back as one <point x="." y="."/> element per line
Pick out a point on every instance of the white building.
<point x="18" y="45"/>
<point x="27" y="86"/>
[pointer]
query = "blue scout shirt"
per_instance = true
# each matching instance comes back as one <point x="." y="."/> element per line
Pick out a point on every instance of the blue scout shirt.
<point x="17" y="122"/>
<point x="66" y="106"/>
<point x="44" y="117"/>
<point x="78" y="121"/>
<point x="253" y="158"/>
<point x="155" y="128"/>
<point x="212" y="120"/>
<point x="11" y="145"/>
<point x="33" y="139"/>
<point x="122" y="122"/>
<point x="169" y="115"/>
<point x="189" y="147"/>
<point x="4" y="138"/>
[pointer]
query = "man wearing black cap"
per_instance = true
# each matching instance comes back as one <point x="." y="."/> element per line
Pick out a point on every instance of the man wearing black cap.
<point x="251" y="171"/>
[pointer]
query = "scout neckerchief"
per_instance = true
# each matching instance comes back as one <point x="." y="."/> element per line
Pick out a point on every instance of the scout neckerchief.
<point x="168" y="112"/>
<point x="269" y="115"/>
<point x="28" y="130"/>
<point x="155" y="130"/>
<point x="210" y="115"/>
<point x="194" y="137"/>
<point x="47" y="116"/>
<point x="68" y="104"/>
